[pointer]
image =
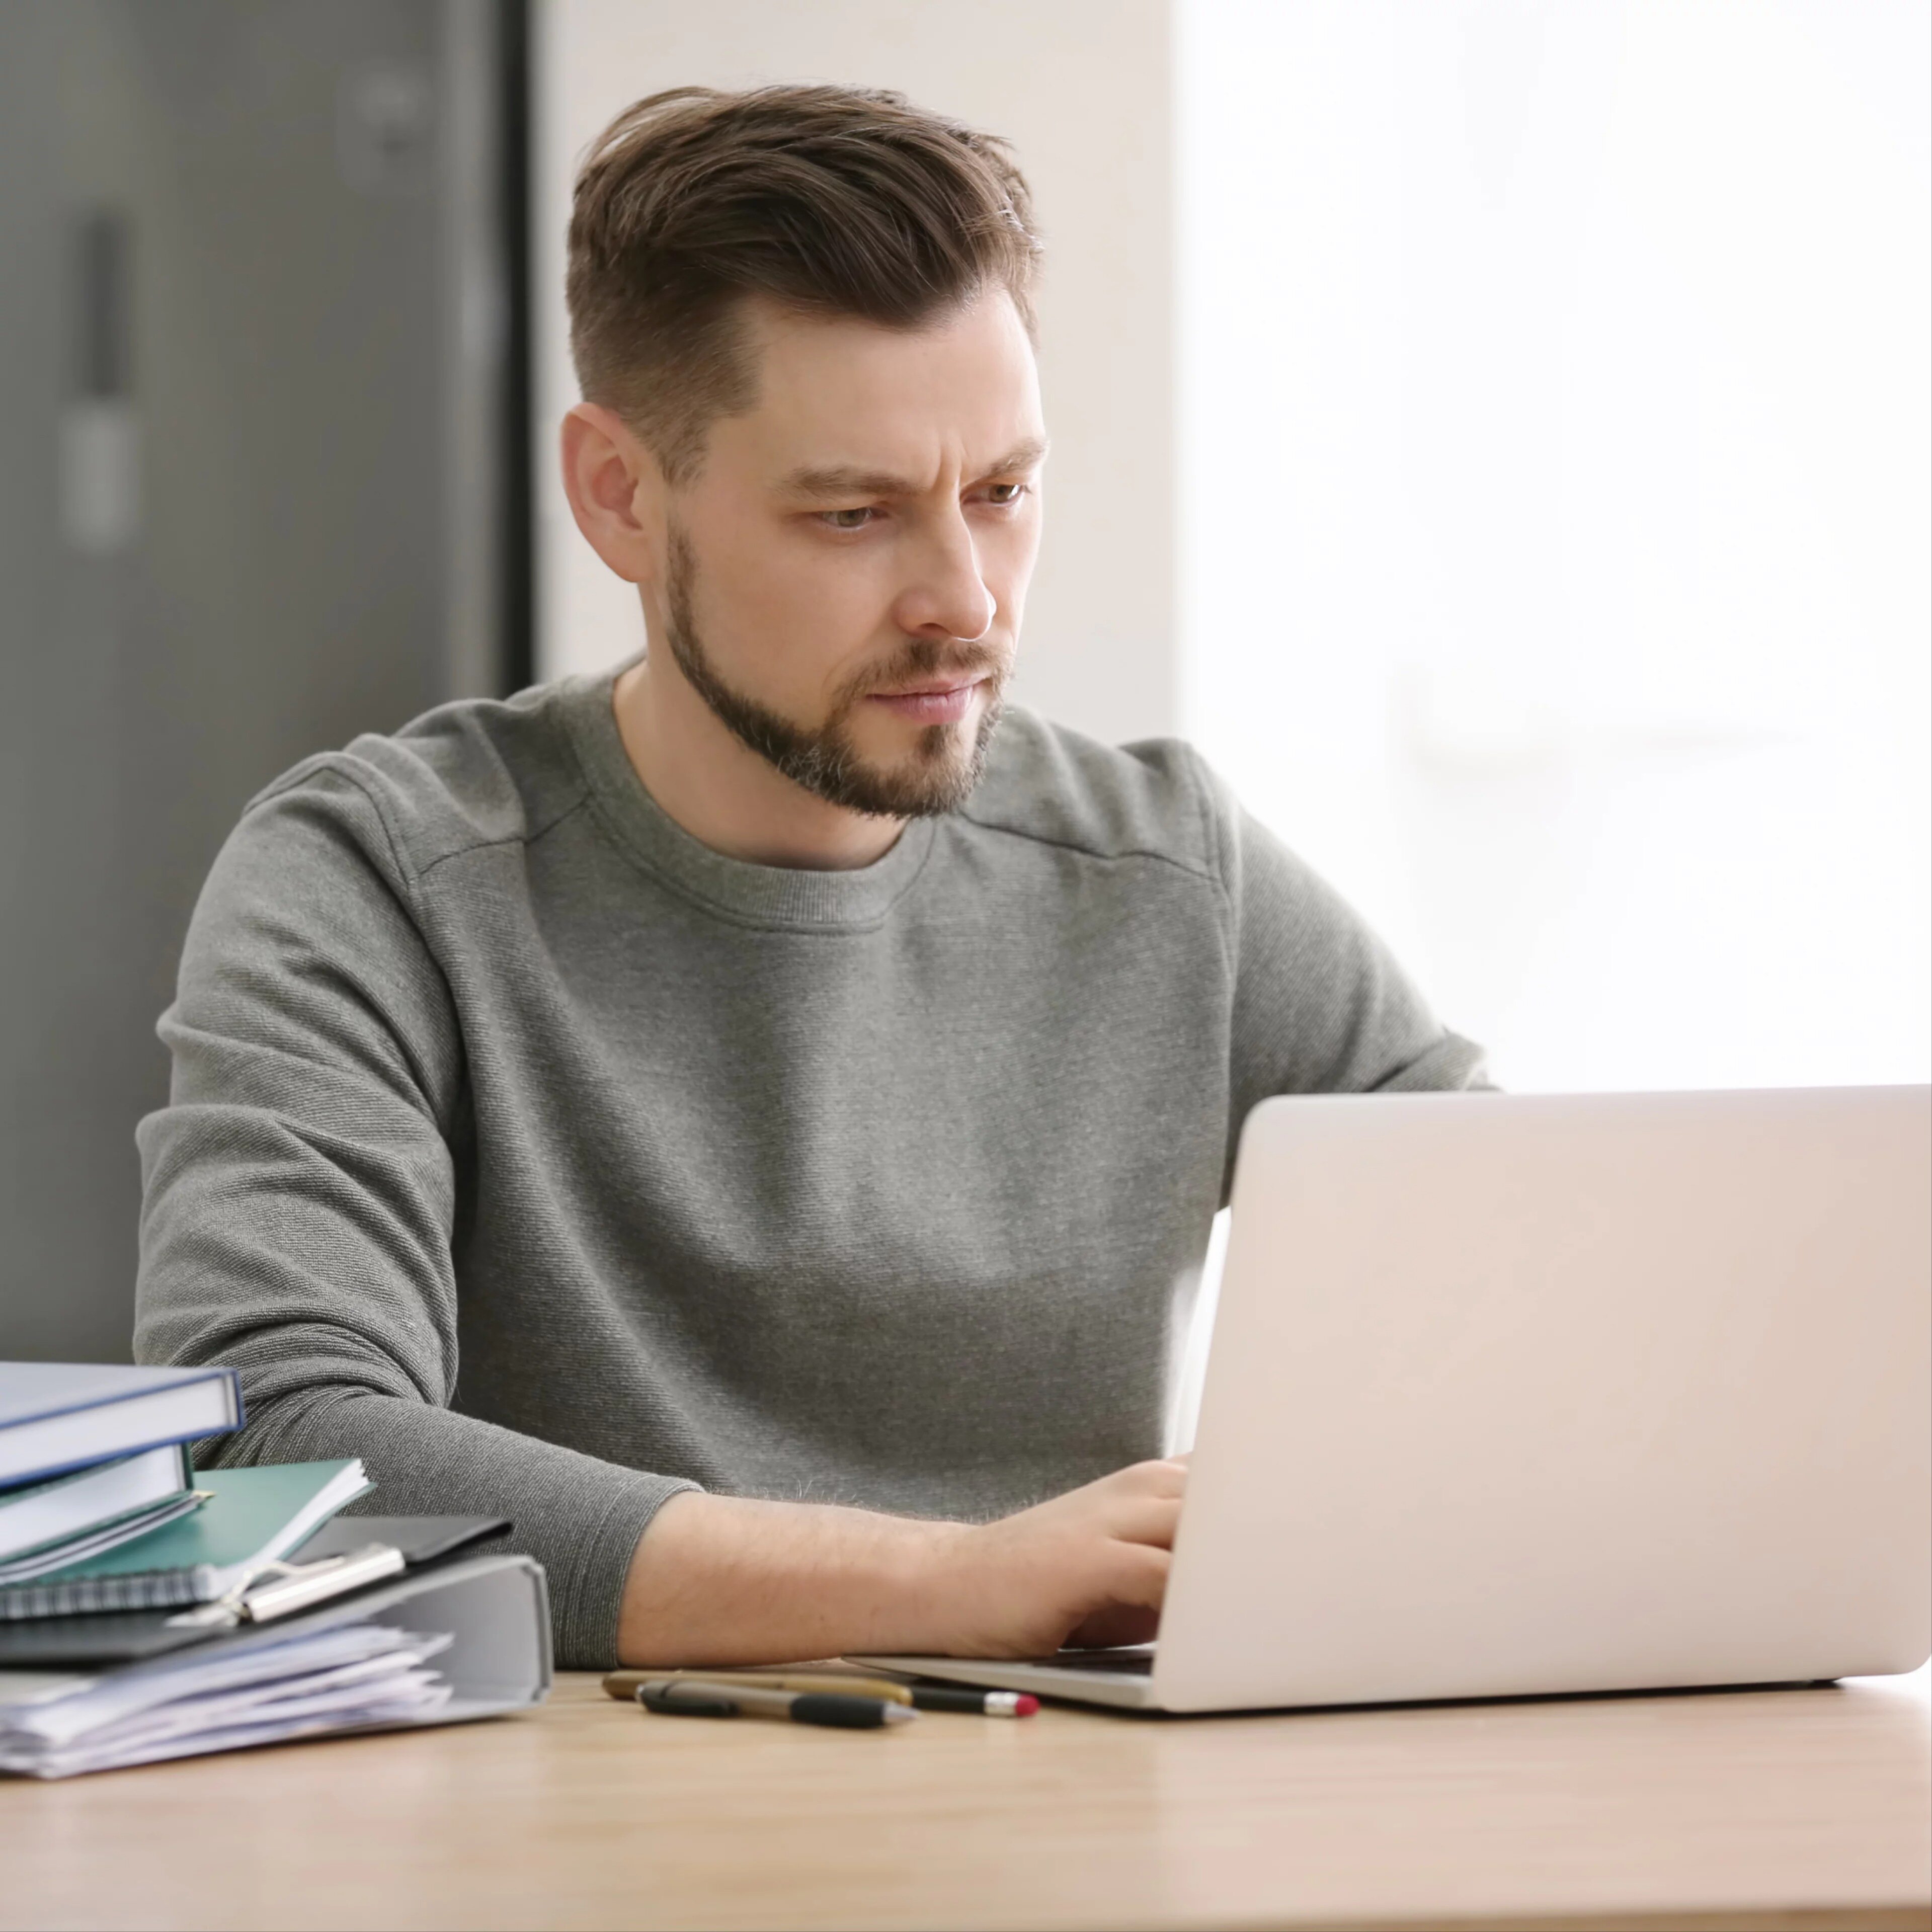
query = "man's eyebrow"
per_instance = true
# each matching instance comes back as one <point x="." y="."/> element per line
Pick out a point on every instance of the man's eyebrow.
<point x="1028" y="455"/>
<point x="848" y="479"/>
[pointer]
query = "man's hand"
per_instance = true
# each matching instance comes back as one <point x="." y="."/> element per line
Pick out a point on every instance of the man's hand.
<point x="1088" y="1568"/>
<point x="719" y="1580"/>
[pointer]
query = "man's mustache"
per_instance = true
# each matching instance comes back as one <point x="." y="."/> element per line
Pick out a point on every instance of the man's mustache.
<point x="921" y="658"/>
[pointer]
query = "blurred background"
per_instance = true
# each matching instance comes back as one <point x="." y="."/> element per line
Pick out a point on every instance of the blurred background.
<point x="1498" y="432"/>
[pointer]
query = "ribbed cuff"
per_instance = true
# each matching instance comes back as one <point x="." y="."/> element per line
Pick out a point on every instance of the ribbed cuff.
<point x="587" y="1602"/>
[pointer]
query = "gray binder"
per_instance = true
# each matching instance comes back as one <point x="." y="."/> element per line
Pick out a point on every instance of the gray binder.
<point x="495" y="1608"/>
<point x="484" y="1623"/>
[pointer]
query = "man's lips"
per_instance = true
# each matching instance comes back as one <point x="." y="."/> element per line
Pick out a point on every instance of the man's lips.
<point x="943" y="702"/>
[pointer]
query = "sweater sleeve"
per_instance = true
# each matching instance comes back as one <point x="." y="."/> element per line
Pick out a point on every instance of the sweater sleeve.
<point x="302" y="1186"/>
<point x="1320" y="1005"/>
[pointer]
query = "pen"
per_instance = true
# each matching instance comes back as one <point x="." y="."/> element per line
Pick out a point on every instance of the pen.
<point x="623" y="1684"/>
<point x="982" y="1703"/>
<point x="695" y="1697"/>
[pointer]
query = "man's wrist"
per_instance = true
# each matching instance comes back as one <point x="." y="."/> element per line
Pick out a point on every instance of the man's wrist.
<point x="715" y="1578"/>
<point x="928" y="1584"/>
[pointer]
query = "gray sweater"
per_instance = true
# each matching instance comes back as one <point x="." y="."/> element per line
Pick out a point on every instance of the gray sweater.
<point x="552" y="1163"/>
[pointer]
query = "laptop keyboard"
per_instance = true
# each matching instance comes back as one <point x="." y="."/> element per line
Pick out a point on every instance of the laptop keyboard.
<point x="1137" y="1662"/>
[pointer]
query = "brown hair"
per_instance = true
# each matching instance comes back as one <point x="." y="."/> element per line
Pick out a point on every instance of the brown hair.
<point x="835" y="201"/>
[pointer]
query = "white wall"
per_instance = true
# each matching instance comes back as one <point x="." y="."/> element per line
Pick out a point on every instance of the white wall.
<point x="1082" y="88"/>
<point x="1557" y="447"/>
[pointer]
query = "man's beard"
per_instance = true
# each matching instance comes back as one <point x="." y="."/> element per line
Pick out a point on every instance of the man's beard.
<point x="822" y="758"/>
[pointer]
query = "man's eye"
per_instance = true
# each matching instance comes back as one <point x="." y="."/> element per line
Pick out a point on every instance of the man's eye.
<point x="847" y="520"/>
<point x="1006" y="493"/>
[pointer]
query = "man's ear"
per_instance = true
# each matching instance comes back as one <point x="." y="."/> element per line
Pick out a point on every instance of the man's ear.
<point x="617" y="489"/>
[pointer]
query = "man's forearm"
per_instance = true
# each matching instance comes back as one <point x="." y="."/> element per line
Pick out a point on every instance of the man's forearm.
<point x="720" y="1580"/>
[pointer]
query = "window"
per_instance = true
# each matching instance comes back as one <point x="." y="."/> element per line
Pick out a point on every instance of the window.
<point x="1557" y="478"/>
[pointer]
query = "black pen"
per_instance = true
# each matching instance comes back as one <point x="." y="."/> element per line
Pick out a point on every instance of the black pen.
<point x="980" y="1703"/>
<point x="693" y="1697"/>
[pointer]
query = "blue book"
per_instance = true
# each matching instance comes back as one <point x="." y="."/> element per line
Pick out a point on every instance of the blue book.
<point x="56" y="1416"/>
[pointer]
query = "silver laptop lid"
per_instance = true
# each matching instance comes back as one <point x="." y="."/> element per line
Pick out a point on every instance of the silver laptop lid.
<point x="1511" y="1394"/>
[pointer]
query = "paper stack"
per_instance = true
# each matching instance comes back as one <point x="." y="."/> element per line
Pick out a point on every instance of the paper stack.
<point x="365" y="1675"/>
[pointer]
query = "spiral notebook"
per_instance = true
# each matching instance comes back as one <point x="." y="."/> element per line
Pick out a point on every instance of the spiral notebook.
<point x="250" y="1517"/>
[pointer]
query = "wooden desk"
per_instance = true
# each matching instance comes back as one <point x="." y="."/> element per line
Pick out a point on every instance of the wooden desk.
<point x="1761" y="1809"/>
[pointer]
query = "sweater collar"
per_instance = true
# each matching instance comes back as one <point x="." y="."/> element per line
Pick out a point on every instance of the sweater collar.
<point x="780" y="895"/>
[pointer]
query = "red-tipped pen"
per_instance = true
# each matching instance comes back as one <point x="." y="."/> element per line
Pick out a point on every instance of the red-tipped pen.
<point x="978" y="1703"/>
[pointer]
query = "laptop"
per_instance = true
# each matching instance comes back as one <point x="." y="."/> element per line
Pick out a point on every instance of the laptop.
<point x="1517" y="1395"/>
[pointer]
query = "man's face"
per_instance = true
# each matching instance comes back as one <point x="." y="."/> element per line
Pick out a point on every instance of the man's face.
<point x="845" y="576"/>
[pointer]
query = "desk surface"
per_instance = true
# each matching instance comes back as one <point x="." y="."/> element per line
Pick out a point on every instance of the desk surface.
<point x="1755" y="1809"/>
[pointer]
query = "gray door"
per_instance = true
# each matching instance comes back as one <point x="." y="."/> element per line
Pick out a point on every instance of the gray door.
<point x="256" y="418"/>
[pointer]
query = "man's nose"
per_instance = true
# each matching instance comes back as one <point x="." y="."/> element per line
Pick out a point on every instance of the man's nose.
<point x="947" y="595"/>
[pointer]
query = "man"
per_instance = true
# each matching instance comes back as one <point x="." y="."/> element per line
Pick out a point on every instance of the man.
<point x="749" y="1119"/>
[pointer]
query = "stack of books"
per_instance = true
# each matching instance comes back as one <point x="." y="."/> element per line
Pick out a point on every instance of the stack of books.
<point x="150" y="1610"/>
<point x="99" y="1506"/>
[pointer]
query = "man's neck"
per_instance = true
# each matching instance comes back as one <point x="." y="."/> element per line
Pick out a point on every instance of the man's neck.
<point x="721" y="792"/>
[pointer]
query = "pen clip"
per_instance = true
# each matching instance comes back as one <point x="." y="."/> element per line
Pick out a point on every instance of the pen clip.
<point x="301" y="1584"/>
<point x="277" y="1589"/>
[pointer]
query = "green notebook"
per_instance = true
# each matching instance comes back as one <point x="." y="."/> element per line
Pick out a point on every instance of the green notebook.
<point x="252" y="1517"/>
